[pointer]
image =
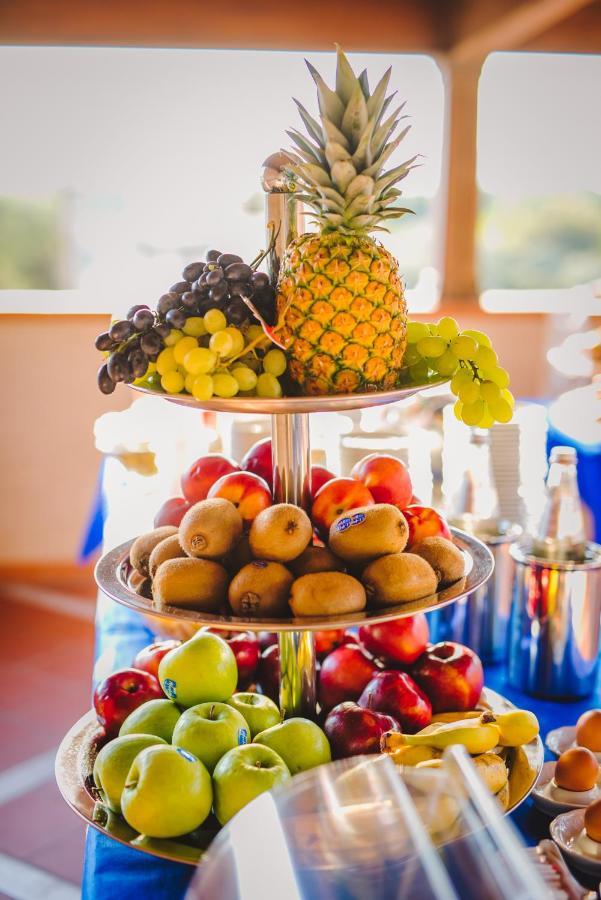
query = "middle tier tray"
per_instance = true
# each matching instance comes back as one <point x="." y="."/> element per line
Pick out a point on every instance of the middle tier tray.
<point x="114" y="569"/>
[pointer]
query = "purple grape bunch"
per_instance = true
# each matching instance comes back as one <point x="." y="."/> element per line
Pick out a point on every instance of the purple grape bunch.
<point x="218" y="283"/>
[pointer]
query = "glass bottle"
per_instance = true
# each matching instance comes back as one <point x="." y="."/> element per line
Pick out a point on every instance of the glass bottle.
<point x="561" y="532"/>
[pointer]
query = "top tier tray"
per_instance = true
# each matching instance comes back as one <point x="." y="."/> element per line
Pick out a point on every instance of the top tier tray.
<point x="291" y="405"/>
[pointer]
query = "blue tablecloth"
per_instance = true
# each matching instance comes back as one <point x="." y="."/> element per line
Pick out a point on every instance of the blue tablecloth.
<point x="112" y="870"/>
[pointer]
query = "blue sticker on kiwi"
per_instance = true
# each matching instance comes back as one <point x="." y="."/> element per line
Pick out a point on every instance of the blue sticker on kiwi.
<point x="349" y="521"/>
<point x="170" y="688"/>
<point x="242" y="736"/>
<point x="186" y="755"/>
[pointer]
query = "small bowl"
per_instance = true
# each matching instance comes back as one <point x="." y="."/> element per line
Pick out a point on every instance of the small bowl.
<point x="565" y="831"/>
<point x="545" y="801"/>
<point x="561" y="739"/>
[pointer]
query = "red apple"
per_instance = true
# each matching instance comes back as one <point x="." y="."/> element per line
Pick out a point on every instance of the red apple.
<point x="247" y="651"/>
<point x="202" y="475"/>
<point x="172" y="512"/>
<point x="451" y="675"/>
<point x="269" y="672"/>
<point x="336" y="497"/>
<point x="344" y="674"/>
<point x="258" y="460"/>
<point x="423" y="522"/>
<point x="352" y="730"/>
<point x="386" y="477"/>
<point x="267" y="639"/>
<point x="399" y="641"/>
<point x="249" y="493"/>
<point x="120" y="694"/>
<point x="326" y="641"/>
<point x="396" y="694"/>
<point x="149" y="657"/>
<point x="319" y="477"/>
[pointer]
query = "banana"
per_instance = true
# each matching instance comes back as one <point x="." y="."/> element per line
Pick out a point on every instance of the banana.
<point x="413" y="756"/>
<point x="492" y="771"/>
<point x="503" y="797"/>
<point x="477" y="736"/>
<point x="456" y="716"/>
<point x="516" y="727"/>
<point x="391" y="741"/>
<point x="430" y="764"/>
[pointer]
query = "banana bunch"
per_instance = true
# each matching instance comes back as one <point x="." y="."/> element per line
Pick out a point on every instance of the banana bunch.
<point x="479" y="732"/>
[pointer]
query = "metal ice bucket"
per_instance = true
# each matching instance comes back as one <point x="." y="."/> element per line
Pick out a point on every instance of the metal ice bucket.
<point x="554" y="629"/>
<point x="481" y="619"/>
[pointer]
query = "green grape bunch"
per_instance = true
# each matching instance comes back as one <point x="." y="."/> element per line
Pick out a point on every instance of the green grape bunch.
<point x="480" y="384"/>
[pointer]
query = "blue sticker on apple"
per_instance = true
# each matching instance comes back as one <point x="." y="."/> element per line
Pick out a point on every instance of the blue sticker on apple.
<point x="242" y="736"/>
<point x="349" y="521"/>
<point x="186" y="755"/>
<point x="170" y="688"/>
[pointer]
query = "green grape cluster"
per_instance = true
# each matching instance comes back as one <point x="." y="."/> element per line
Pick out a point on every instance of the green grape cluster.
<point x="209" y="358"/>
<point x="480" y="384"/>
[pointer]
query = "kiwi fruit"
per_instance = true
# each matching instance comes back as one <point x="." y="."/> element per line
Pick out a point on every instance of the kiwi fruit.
<point x="170" y="548"/>
<point x="240" y="555"/>
<point x="444" y="557"/>
<point x="315" y="559"/>
<point x="139" y="584"/>
<point x="280" y="532"/>
<point x="210" y="528"/>
<point x="327" y="594"/>
<point x="191" y="584"/>
<point x="142" y="547"/>
<point x="363" y="534"/>
<point x="398" y="578"/>
<point x="260" y="589"/>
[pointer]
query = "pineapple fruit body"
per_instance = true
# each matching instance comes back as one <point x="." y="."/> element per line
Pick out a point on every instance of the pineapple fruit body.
<point x="342" y="315"/>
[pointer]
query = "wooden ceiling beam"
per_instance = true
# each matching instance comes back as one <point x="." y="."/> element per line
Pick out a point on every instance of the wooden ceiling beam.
<point x="481" y="28"/>
<point x="385" y="25"/>
<point x="580" y="33"/>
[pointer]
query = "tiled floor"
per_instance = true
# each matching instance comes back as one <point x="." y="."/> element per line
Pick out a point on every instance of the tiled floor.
<point x="45" y="671"/>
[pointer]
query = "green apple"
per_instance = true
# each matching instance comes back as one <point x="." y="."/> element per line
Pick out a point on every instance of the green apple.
<point x="158" y="717"/>
<point x="259" y="711"/>
<point x="114" y="762"/>
<point x="204" y="668"/>
<point x="167" y="793"/>
<point x="242" y="774"/>
<point x="300" y="742"/>
<point x="209" y="730"/>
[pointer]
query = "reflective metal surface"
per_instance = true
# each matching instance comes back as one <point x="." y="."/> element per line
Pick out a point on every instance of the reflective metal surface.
<point x="113" y="570"/>
<point x="554" y="632"/>
<point x="291" y="454"/>
<point x="78" y="749"/>
<point x="481" y="620"/>
<point x="269" y="406"/>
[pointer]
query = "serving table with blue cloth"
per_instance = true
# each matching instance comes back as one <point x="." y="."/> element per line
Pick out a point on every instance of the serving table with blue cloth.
<point x="113" y="870"/>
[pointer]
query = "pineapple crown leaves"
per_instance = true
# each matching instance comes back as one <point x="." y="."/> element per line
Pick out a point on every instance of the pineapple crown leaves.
<point x="338" y="165"/>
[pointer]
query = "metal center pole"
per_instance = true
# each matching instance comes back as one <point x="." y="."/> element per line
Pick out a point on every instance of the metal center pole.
<point x="291" y="484"/>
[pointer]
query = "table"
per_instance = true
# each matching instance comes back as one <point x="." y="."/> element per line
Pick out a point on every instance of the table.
<point x="112" y="870"/>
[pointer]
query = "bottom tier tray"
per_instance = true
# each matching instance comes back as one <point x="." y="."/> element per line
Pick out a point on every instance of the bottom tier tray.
<point x="113" y="573"/>
<point x="77" y="752"/>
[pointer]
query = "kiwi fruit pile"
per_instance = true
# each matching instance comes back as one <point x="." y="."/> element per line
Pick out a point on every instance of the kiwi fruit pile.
<point x="274" y="569"/>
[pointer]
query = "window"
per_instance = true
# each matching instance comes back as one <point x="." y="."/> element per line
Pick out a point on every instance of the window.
<point x="121" y="165"/>
<point x="539" y="145"/>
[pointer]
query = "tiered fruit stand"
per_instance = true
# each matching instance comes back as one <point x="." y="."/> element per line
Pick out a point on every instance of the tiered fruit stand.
<point x="291" y="456"/>
<point x="291" y="467"/>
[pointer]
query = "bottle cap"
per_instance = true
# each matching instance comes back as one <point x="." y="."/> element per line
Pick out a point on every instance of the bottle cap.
<point x="566" y="455"/>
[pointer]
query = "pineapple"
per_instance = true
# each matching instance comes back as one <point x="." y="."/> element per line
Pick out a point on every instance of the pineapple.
<point x="341" y="308"/>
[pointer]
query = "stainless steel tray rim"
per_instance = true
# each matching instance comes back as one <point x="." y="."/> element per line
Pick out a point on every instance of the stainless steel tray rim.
<point x="290" y="405"/>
